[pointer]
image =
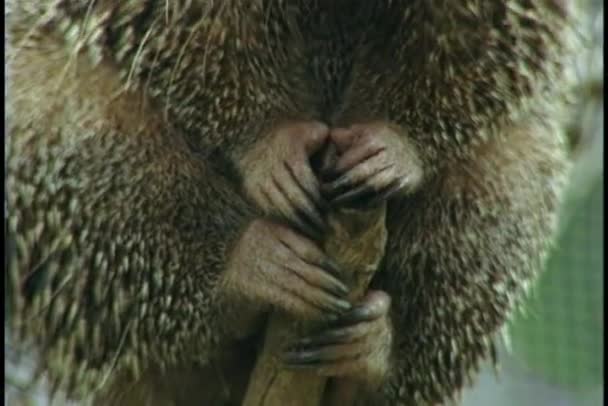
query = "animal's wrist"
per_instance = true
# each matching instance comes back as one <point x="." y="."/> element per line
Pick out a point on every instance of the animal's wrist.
<point x="242" y="313"/>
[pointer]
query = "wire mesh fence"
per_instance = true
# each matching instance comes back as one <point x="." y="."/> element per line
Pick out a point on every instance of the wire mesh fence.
<point x="556" y="354"/>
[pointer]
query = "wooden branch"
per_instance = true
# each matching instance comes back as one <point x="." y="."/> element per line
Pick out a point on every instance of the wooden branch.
<point x="356" y="242"/>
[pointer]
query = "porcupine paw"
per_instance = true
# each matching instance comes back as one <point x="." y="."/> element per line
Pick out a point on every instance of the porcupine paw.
<point x="277" y="266"/>
<point x="356" y="346"/>
<point x="375" y="162"/>
<point x="280" y="180"/>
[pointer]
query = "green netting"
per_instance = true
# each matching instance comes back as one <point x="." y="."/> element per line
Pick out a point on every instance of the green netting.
<point x="562" y="336"/>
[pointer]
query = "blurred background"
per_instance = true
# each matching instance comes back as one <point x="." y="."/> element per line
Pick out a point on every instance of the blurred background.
<point x="555" y="352"/>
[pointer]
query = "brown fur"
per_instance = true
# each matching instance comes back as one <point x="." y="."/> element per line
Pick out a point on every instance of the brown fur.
<point x="126" y="123"/>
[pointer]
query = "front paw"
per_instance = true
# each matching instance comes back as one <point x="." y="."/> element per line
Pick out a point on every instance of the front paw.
<point x="356" y="346"/>
<point x="271" y="264"/>
<point x="375" y="163"/>
<point x="278" y="178"/>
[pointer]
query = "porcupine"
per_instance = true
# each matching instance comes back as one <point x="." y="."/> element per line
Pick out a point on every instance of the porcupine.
<point x="140" y="133"/>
